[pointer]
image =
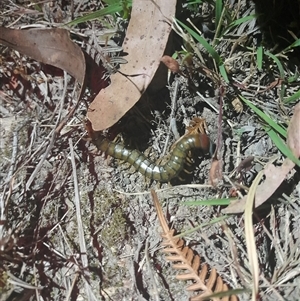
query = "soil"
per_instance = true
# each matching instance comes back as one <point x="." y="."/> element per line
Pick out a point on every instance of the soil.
<point x="79" y="225"/>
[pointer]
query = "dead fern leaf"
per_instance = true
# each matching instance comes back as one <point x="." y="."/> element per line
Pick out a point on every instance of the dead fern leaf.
<point x="184" y="258"/>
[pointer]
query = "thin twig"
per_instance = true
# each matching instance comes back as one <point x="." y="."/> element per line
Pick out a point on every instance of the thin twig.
<point x="172" y="127"/>
<point x="82" y="244"/>
<point x="155" y="294"/>
<point x="53" y="136"/>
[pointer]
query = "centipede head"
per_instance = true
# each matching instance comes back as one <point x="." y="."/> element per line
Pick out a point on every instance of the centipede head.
<point x="197" y="125"/>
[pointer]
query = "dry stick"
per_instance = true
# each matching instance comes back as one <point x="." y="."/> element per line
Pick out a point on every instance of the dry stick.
<point x="54" y="134"/>
<point x="194" y="186"/>
<point x="77" y="206"/>
<point x="15" y="281"/>
<point x="250" y="238"/>
<point x="234" y="251"/>
<point x="39" y="165"/>
<point x="217" y="154"/>
<point x="271" y="287"/>
<point x="13" y="156"/>
<point x="155" y="293"/>
<point x="172" y="117"/>
<point x="37" y="295"/>
<point x="206" y="100"/>
<point x="33" y="135"/>
<point x="276" y="243"/>
<point x="35" y="152"/>
<point x="69" y="293"/>
<point x="83" y="250"/>
<point x="71" y="112"/>
<point x="8" y="179"/>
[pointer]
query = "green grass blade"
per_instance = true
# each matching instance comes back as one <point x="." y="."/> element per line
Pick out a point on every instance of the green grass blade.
<point x="203" y="42"/>
<point x="194" y="2"/>
<point x="265" y="117"/>
<point x="278" y="63"/>
<point x="284" y="149"/>
<point x="111" y="2"/>
<point x="224" y="73"/>
<point x="241" y="21"/>
<point x="218" y="10"/>
<point x="292" y="98"/>
<point x="221" y="295"/>
<point x="293" y="78"/>
<point x="196" y="228"/>
<point x="208" y="48"/>
<point x="259" y="57"/>
<point x="212" y="202"/>
<point x="295" y="44"/>
<point x="111" y="9"/>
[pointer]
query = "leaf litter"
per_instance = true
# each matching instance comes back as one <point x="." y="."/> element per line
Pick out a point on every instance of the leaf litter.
<point x="145" y="43"/>
<point x="136" y="211"/>
<point x="275" y="175"/>
<point x="49" y="46"/>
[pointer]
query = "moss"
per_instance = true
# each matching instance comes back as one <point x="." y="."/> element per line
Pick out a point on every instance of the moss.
<point x="110" y="215"/>
<point x="111" y="225"/>
<point x="4" y="285"/>
<point x="115" y="230"/>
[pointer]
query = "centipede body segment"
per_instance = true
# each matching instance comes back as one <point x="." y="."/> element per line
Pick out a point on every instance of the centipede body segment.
<point x="159" y="172"/>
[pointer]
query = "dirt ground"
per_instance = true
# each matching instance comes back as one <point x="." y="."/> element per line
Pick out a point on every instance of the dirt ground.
<point x="79" y="225"/>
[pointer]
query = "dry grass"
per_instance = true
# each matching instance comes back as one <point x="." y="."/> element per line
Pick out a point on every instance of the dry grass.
<point x="77" y="226"/>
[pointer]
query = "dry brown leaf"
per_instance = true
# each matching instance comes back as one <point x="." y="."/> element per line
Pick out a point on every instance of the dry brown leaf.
<point x="145" y="43"/>
<point x="293" y="132"/>
<point x="171" y="63"/>
<point x="274" y="175"/>
<point x="215" y="172"/>
<point x="237" y="105"/>
<point x="49" y="46"/>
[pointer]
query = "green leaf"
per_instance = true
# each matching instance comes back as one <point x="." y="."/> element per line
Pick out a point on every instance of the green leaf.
<point x="209" y="49"/>
<point x="111" y="2"/>
<point x="218" y="9"/>
<point x="109" y="10"/>
<point x="224" y="73"/>
<point x="240" y="21"/>
<point x="194" y="2"/>
<point x="293" y="45"/>
<point x="292" y="98"/>
<point x="265" y="117"/>
<point x="259" y="57"/>
<point x="278" y="63"/>
<point x="284" y="149"/>
<point x="203" y="42"/>
<point x="201" y="226"/>
<point x="212" y="202"/>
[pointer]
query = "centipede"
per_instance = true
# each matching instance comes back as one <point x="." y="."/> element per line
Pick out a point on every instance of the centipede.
<point x="195" y="138"/>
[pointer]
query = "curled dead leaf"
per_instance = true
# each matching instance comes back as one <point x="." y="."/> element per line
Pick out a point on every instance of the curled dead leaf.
<point x="215" y="173"/>
<point x="274" y="175"/>
<point x="49" y="46"/>
<point x="145" y="42"/>
<point x="171" y="63"/>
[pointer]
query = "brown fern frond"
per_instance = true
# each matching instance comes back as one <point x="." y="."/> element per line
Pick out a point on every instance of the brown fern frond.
<point x="184" y="258"/>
